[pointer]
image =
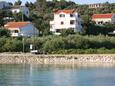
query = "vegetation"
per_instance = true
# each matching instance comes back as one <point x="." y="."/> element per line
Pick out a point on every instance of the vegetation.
<point x="18" y="2"/>
<point x="93" y="29"/>
<point x="4" y="32"/>
<point x="41" y="12"/>
<point x="72" y="44"/>
<point x="66" y="32"/>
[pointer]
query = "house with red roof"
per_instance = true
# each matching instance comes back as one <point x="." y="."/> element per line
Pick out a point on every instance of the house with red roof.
<point x="103" y="18"/>
<point x="65" y="19"/>
<point x="25" y="29"/>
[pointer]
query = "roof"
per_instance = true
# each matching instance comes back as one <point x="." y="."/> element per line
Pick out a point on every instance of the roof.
<point x="12" y="25"/>
<point x="65" y="11"/>
<point x="95" y="16"/>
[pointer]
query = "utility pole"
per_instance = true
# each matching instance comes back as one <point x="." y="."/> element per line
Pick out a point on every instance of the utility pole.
<point x="23" y="45"/>
<point x="22" y="16"/>
<point x="22" y="34"/>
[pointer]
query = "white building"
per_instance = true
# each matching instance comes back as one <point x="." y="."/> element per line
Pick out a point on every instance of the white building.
<point x="97" y="5"/>
<point x="65" y="19"/>
<point x="4" y="4"/>
<point x="103" y="18"/>
<point x="25" y="29"/>
<point x="23" y="9"/>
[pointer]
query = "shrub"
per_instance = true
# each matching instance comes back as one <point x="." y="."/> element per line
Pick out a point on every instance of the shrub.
<point x="66" y="32"/>
<point x="72" y="44"/>
<point x="12" y="45"/>
<point x="4" y="32"/>
<point x="78" y="42"/>
<point x="54" y="44"/>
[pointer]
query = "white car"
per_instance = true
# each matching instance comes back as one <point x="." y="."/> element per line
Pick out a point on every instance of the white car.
<point x="34" y="51"/>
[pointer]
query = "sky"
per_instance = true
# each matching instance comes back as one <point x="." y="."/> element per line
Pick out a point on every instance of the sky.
<point x="77" y="1"/>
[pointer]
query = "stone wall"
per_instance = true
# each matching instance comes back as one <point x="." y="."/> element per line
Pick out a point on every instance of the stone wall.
<point x="56" y="59"/>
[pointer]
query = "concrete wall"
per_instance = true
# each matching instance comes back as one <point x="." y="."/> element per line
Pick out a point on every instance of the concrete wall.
<point x="113" y="19"/>
<point x="57" y="59"/>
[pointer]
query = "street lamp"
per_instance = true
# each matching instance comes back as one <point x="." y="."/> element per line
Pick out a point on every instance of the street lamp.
<point x="23" y="42"/>
<point x="23" y="45"/>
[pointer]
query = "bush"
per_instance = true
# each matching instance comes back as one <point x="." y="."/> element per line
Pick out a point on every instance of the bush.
<point x="66" y="32"/>
<point x="12" y="45"/>
<point x="93" y="29"/>
<point x="77" y="42"/>
<point x="2" y="42"/>
<point x="4" y="32"/>
<point x="54" y="44"/>
<point x="72" y="44"/>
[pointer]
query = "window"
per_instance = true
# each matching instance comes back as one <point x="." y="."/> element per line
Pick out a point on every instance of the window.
<point x="100" y="22"/>
<point x="27" y="12"/>
<point x="58" y="30"/>
<point x="72" y="22"/>
<point x="106" y="22"/>
<point x="15" y="11"/>
<point x="15" y="31"/>
<point x="78" y="16"/>
<point x="62" y="22"/>
<point x="71" y="15"/>
<point x="62" y="15"/>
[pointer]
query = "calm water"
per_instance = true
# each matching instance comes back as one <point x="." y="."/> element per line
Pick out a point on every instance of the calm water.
<point x="47" y="75"/>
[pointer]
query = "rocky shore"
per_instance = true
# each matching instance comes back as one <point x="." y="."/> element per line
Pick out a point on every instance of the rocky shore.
<point x="27" y="58"/>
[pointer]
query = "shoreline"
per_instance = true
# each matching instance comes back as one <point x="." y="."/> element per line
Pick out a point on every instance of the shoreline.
<point x="78" y="59"/>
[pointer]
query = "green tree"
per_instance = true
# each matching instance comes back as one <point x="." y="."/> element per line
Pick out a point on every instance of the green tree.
<point x="4" y="32"/>
<point x="66" y="32"/>
<point x="4" y="14"/>
<point x="54" y="44"/>
<point x="18" y="2"/>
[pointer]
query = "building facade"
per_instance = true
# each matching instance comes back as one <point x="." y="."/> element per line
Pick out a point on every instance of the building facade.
<point x="103" y="18"/>
<point x="65" y="19"/>
<point x="18" y="29"/>
<point x="98" y="5"/>
<point x="23" y="9"/>
<point x="4" y="4"/>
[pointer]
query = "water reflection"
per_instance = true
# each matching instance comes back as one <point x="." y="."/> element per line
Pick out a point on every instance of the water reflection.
<point x="56" y="75"/>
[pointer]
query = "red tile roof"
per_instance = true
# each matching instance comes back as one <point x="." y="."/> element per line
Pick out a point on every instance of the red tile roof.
<point x="65" y="11"/>
<point x="95" y="16"/>
<point x="11" y="25"/>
